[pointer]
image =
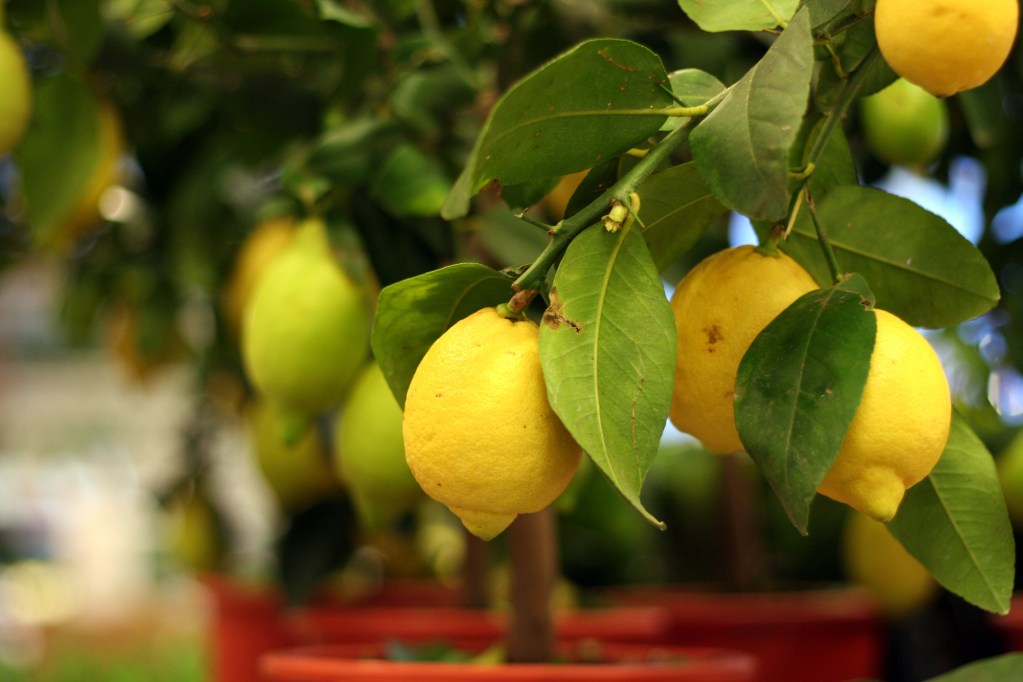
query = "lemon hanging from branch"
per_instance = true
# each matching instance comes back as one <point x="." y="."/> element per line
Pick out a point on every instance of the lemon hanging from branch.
<point x="479" y="433"/>
<point x="946" y="46"/>
<point x="305" y="330"/>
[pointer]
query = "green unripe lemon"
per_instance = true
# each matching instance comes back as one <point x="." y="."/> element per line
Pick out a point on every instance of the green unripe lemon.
<point x="305" y="329"/>
<point x="15" y="93"/>
<point x="297" y="474"/>
<point x="1010" y="475"/>
<point x="369" y="452"/>
<point x="904" y="124"/>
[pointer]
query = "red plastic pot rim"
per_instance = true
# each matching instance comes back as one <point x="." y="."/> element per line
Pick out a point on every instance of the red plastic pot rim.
<point x="821" y="607"/>
<point x="361" y="624"/>
<point x="632" y="662"/>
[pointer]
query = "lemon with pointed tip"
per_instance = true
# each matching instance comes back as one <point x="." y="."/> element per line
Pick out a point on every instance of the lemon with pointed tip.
<point x="946" y="46"/>
<point x="720" y="306"/>
<point x="875" y="560"/>
<point x="15" y="93"/>
<point x="480" y="435"/>
<point x="899" y="429"/>
<point x="369" y="452"/>
<point x="305" y="330"/>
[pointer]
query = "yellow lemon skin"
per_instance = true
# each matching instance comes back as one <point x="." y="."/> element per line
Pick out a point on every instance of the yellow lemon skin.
<point x="720" y="306"/>
<point x="369" y="452"/>
<point x="480" y="435"/>
<point x="261" y="247"/>
<point x="305" y="330"/>
<point x="946" y="46"/>
<point x="15" y="93"/>
<point x="873" y="559"/>
<point x="899" y="429"/>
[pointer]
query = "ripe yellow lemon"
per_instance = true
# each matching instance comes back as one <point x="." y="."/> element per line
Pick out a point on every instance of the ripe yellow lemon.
<point x="15" y="93"/>
<point x="946" y="46"/>
<point x="261" y="247"/>
<point x="369" y="452"/>
<point x="480" y="435"/>
<point x="875" y="560"/>
<point x="305" y="331"/>
<point x="720" y="306"/>
<point x="900" y="427"/>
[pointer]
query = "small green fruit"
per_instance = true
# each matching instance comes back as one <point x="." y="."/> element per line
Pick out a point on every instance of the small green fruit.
<point x="298" y="474"/>
<point x="15" y="93"/>
<point x="197" y="535"/>
<point x="369" y="452"/>
<point x="904" y="124"/>
<point x="1010" y="475"/>
<point x="305" y="331"/>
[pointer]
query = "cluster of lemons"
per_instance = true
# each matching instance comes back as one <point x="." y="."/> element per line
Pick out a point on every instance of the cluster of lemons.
<point x="323" y="416"/>
<point x="486" y="368"/>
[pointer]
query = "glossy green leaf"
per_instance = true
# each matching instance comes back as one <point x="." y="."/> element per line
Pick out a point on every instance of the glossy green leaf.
<point x="676" y="206"/>
<point x="693" y="87"/>
<point x="798" y="387"/>
<point x="955" y="523"/>
<point x="995" y="669"/>
<point x="593" y="102"/>
<point x="739" y="15"/>
<point x="742" y="147"/>
<point x="607" y="344"/>
<point x="824" y="11"/>
<point x="919" y="267"/>
<point x="410" y="183"/>
<point x="413" y="313"/>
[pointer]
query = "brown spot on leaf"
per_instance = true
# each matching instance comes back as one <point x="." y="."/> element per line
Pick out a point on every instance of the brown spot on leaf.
<point x="553" y="317"/>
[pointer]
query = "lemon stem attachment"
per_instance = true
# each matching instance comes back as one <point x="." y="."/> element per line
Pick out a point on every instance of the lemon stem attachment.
<point x="822" y="239"/>
<point x="507" y="311"/>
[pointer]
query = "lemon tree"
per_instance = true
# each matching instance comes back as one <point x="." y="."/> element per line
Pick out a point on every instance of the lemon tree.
<point x="428" y="138"/>
<point x="779" y="350"/>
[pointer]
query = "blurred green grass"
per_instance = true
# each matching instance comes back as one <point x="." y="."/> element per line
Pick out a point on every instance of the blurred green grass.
<point x="178" y="661"/>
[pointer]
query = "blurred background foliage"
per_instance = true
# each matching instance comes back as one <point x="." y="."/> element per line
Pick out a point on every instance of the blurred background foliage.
<point x="166" y="131"/>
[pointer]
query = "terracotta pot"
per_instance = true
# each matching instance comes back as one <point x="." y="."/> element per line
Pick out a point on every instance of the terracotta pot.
<point x="248" y="621"/>
<point x="820" y="635"/>
<point x="335" y="625"/>
<point x="632" y="662"/>
<point x="245" y="623"/>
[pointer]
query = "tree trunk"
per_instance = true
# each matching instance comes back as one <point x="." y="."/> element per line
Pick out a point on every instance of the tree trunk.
<point x="532" y="544"/>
